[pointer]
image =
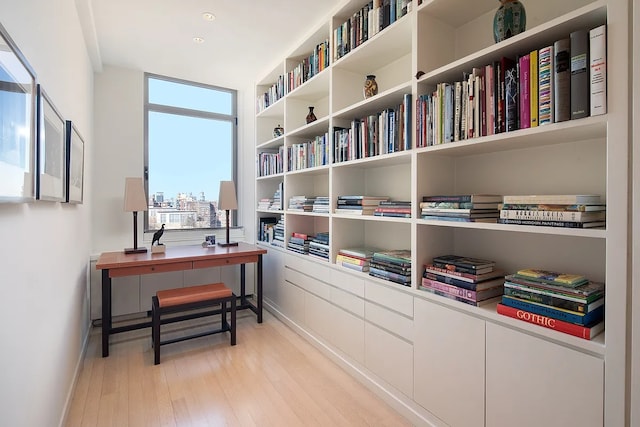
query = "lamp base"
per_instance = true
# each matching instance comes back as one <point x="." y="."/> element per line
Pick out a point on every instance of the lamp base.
<point x="135" y="250"/>
<point x="225" y="244"/>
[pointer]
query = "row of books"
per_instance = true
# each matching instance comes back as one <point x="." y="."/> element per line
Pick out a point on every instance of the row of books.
<point x="366" y="22"/>
<point x="562" y="81"/>
<point x="386" y="132"/>
<point x="266" y="227"/>
<point x="308" y="154"/>
<point x="271" y="162"/>
<point x="468" y="208"/>
<point x="301" y="203"/>
<point x="317" y="61"/>
<point x="393" y="208"/>
<point x="319" y="246"/>
<point x="358" y="205"/>
<point x="567" y="303"/>
<point x="391" y="265"/>
<point x="473" y="281"/>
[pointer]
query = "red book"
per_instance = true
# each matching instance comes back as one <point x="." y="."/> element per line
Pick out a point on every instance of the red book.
<point x="525" y="112"/>
<point x="558" y="325"/>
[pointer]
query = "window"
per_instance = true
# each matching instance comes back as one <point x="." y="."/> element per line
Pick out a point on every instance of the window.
<point x="190" y="146"/>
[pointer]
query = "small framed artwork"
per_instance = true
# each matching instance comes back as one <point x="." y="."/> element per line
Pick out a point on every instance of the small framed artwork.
<point x="75" y="164"/>
<point x="17" y="123"/>
<point x="51" y="151"/>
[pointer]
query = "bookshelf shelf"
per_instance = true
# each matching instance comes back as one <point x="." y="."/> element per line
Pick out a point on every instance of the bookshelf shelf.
<point x="445" y="39"/>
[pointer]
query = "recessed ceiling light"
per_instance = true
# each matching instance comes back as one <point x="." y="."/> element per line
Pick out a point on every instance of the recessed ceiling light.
<point x="208" y="16"/>
<point x="198" y="40"/>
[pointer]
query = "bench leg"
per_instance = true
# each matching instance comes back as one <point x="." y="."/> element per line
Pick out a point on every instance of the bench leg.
<point x="155" y="333"/>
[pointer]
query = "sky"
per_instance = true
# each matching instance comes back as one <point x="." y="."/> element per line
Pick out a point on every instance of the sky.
<point x="188" y="154"/>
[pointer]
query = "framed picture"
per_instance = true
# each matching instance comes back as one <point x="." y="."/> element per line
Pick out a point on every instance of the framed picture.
<point x="17" y="123"/>
<point x="75" y="164"/>
<point x="50" y="151"/>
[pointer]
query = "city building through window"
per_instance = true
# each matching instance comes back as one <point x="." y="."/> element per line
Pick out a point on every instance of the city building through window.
<point x="190" y="146"/>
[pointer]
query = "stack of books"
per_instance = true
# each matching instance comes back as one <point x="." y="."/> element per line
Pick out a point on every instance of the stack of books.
<point x="568" y="211"/>
<point x="299" y="242"/>
<point x="278" y="233"/>
<point x="301" y="203"/>
<point x="392" y="265"/>
<point x="319" y="246"/>
<point x="568" y="303"/>
<point x="393" y="208"/>
<point x="357" y="258"/>
<point x="358" y="205"/>
<point x="465" y="208"/>
<point x="472" y="281"/>
<point x="321" y="204"/>
<point x="265" y="204"/>
<point x="277" y="204"/>
<point x="265" y="228"/>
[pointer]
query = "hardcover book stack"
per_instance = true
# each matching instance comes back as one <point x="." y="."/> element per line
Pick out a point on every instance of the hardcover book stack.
<point x="473" y="281"/>
<point x="299" y="242"/>
<point x="277" y="204"/>
<point x="567" y="303"/>
<point x="568" y="211"/>
<point x="264" y="204"/>
<point x="393" y="208"/>
<point x="464" y="208"/>
<point x="355" y="258"/>
<point x="358" y="205"/>
<point x="392" y="265"/>
<point x="319" y="246"/>
<point x="301" y="203"/>
<point x="321" y="204"/>
<point x="278" y="233"/>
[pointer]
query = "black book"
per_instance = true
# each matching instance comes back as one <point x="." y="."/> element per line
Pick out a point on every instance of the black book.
<point x="580" y="93"/>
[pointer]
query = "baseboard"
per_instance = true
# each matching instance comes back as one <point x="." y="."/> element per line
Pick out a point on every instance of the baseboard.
<point x="76" y="376"/>
<point x="408" y="408"/>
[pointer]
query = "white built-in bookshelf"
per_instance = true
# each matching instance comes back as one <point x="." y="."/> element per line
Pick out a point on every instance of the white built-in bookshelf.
<point x="425" y="353"/>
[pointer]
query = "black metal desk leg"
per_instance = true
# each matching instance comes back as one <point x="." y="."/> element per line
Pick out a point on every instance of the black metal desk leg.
<point x="243" y="290"/>
<point x="106" y="311"/>
<point x="260" y="288"/>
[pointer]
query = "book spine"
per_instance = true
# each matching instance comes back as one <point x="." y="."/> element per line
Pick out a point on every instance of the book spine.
<point x="554" y="207"/>
<point x="450" y="296"/>
<point x="554" y="301"/>
<point x="555" y="313"/>
<point x="533" y="88"/>
<point x="545" y="86"/>
<point x="467" y="277"/>
<point x="579" y="74"/>
<point x="558" y="325"/>
<point x="511" y="97"/>
<point x="562" y="80"/>
<point x="489" y="99"/>
<point x="544" y="215"/>
<point x="524" y="101"/>
<point x="598" y="70"/>
<point x="452" y="267"/>
<point x="350" y="260"/>
<point x="545" y="223"/>
<point x="450" y="280"/>
<point x="450" y="289"/>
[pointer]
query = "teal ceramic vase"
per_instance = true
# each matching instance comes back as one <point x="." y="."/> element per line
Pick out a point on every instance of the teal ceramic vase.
<point x="510" y="19"/>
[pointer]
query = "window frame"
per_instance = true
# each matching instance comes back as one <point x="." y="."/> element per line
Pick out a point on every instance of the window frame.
<point x="187" y="112"/>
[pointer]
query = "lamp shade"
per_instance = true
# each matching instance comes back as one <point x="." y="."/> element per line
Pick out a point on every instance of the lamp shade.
<point x="135" y="200"/>
<point x="227" y="197"/>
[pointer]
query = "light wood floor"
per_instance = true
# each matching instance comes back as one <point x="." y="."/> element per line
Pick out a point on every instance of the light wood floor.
<point x="272" y="377"/>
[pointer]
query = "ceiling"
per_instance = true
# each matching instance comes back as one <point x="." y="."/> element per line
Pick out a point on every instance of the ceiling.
<point x="245" y="40"/>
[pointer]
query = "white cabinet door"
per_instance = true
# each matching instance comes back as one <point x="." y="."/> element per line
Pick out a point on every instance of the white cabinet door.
<point x="389" y="357"/>
<point x="272" y="267"/>
<point x="449" y="364"/>
<point x="532" y="382"/>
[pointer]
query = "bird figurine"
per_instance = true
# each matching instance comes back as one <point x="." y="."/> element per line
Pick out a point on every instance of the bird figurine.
<point x="157" y="235"/>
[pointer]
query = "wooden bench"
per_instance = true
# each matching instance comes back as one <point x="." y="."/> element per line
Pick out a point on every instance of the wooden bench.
<point x="189" y="299"/>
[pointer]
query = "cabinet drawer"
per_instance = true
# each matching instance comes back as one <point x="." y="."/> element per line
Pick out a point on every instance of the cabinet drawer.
<point x="389" y="320"/>
<point x="390" y="298"/>
<point x="311" y="268"/>
<point x="348" y="301"/>
<point x="389" y="357"/>
<point x="307" y="283"/>
<point x="348" y="282"/>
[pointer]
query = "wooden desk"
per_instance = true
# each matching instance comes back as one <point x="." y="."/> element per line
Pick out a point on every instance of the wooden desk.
<point x="176" y="258"/>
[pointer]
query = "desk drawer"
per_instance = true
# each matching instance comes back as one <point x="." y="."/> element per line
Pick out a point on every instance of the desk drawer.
<point x="159" y="268"/>
<point x="227" y="261"/>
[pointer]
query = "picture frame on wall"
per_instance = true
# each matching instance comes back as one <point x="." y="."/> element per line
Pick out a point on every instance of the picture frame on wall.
<point x="51" y="150"/>
<point x="75" y="164"/>
<point x="17" y="123"/>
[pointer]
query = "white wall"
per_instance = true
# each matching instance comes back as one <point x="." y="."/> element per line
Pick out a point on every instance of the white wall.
<point x="45" y="246"/>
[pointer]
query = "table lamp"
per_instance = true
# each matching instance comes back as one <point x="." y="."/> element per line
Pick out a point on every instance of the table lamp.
<point x="134" y="200"/>
<point x="227" y="201"/>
